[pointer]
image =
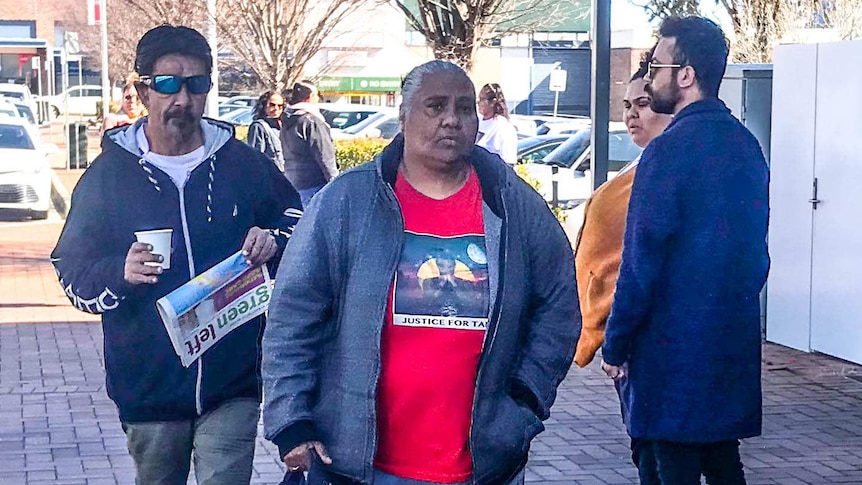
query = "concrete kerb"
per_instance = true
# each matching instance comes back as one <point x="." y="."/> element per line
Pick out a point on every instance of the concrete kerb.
<point x="61" y="198"/>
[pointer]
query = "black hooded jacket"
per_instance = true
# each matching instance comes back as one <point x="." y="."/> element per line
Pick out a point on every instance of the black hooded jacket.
<point x="309" y="155"/>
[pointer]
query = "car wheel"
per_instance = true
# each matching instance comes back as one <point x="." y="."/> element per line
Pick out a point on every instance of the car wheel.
<point x="38" y="215"/>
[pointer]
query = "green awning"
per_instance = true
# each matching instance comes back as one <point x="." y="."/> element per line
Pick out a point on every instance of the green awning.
<point x="348" y="84"/>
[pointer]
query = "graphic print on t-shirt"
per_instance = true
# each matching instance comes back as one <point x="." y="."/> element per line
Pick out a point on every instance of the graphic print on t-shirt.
<point x="442" y="282"/>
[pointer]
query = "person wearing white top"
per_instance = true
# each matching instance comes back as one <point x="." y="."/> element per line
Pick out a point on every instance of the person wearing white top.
<point x="496" y="133"/>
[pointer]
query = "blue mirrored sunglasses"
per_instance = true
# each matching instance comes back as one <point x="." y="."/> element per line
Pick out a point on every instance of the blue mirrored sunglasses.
<point x="167" y="84"/>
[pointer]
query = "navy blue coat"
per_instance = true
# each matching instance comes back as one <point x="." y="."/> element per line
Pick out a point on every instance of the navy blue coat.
<point x="686" y="312"/>
<point x="234" y="189"/>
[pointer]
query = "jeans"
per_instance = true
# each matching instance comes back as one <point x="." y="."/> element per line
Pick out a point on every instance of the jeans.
<point x="644" y="459"/>
<point x="684" y="463"/>
<point x="221" y="444"/>
<point x="642" y="451"/>
<point x="305" y="195"/>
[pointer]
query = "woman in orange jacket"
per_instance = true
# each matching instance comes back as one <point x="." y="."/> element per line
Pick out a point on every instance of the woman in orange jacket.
<point x="600" y="243"/>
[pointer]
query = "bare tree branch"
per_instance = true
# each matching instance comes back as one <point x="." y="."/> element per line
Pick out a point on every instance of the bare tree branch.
<point x="454" y="29"/>
<point x="758" y="25"/>
<point x="276" y="38"/>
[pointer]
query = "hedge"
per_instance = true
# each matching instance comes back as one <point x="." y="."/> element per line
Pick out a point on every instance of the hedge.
<point x="356" y="151"/>
<point x="352" y="152"/>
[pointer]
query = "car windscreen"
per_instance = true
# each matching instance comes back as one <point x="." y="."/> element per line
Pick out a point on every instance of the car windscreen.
<point x="341" y="120"/>
<point x="26" y="113"/>
<point x="14" y="136"/>
<point x="12" y="94"/>
<point x="566" y="154"/>
<point x="621" y="148"/>
<point x="227" y="108"/>
<point x="352" y="130"/>
<point x="621" y="151"/>
<point x="242" y="116"/>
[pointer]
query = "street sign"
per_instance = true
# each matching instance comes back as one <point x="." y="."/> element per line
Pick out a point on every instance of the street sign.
<point x="94" y="12"/>
<point x="558" y="80"/>
<point x="70" y="43"/>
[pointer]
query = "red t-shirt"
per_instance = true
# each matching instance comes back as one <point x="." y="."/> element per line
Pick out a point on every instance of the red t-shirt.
<point x="432" y="338"/>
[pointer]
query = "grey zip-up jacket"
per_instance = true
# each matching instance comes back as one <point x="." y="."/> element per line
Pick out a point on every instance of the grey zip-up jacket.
<point x="264" y="136"/>
<point x="321" y="346"/>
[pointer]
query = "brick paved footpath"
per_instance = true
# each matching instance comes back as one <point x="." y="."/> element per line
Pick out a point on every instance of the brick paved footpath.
<point x="57" y="426"/>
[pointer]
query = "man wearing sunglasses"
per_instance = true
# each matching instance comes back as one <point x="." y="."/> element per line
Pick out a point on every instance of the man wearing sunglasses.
<point x="683" y="336"/>
<point x="175" y="170"/>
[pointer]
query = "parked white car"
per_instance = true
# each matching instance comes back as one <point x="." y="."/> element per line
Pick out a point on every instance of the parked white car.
<point x="8" y="110"/>
<point x="383" y="124"/>
<point x="83" y="100"/>
<point x="340" y="116"/>
<point x="572" y="159"/>
<point x="25" y="175"/>
<point x="18" y="93"/>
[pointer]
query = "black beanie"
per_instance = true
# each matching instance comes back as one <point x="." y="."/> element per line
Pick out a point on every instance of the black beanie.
<point x="169" y="39"/>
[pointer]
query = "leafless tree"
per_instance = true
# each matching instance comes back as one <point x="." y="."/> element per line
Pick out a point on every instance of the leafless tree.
<point x="764" y="24"/>
<point x="454" y="29"/>
<point x="128" y="20"/>
<point x="845" y="16"/>
<point x="758" y="25"/>
<point x="659" y="9"/>
<point x="276" y="38"/>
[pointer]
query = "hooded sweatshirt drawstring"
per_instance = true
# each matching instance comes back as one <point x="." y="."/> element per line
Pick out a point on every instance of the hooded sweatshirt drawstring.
<point x="210" y="189"/>
<point x="143" y="164"/>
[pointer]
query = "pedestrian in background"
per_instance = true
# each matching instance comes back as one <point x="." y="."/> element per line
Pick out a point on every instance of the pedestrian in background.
<point x="309" y="155"/>
<point x="600" y="243"/>
<point x="683" y="336"/>
<point x="428" y="314"/>
<point x="496" y="133"/>
<point x="264" y="133"/>
<point x="174" y="171"/>
<point x="131" y="107"/>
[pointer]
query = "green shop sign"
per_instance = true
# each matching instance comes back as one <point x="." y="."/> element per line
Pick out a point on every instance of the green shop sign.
<point x="360" y="84"/>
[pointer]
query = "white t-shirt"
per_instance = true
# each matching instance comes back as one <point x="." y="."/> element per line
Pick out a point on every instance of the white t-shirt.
<point x="178" y="167"/>
<point x="497" y="135"/>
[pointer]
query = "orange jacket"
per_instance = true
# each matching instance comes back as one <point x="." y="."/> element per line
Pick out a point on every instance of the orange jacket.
<point x="598" y="252"/>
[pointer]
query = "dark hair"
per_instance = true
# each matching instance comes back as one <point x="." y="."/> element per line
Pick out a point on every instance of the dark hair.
<point x="262" y="104"/>
<point x="494" y="93"/>
<point x="169" y="39"/>
<point x="643" y="66"/>
<point x="701" y="44"/>
<point x="300" y="92"/>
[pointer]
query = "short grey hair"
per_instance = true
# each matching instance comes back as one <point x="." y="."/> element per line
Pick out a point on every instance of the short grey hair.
<point x="414" y="79"/>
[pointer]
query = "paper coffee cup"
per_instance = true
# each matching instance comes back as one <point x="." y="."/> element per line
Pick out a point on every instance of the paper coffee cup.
<point x="160" y="240"/>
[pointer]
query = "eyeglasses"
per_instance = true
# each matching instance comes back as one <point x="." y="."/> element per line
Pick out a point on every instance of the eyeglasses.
<point x="653" y="66"/>
<point x="275" y="105"/>
<point x="168" y="84"/>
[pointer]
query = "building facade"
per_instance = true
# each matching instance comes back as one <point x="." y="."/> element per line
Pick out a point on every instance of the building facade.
<point x="32" y="36"/>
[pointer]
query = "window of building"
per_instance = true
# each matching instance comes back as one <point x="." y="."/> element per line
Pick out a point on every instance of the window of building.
<point x="18" y="29"/>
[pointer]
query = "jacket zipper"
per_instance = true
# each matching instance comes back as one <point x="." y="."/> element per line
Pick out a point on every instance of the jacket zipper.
<point x="495" y="313"/>
<point x="192" y="274"/>
<point x="392" y="266"/>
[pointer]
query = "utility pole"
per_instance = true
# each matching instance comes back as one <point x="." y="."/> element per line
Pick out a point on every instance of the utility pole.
<point x="601" y="87"/>
<point x="212" y="38"/>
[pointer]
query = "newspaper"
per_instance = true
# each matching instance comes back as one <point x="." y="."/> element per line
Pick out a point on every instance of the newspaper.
<point x="204" y="310"/>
